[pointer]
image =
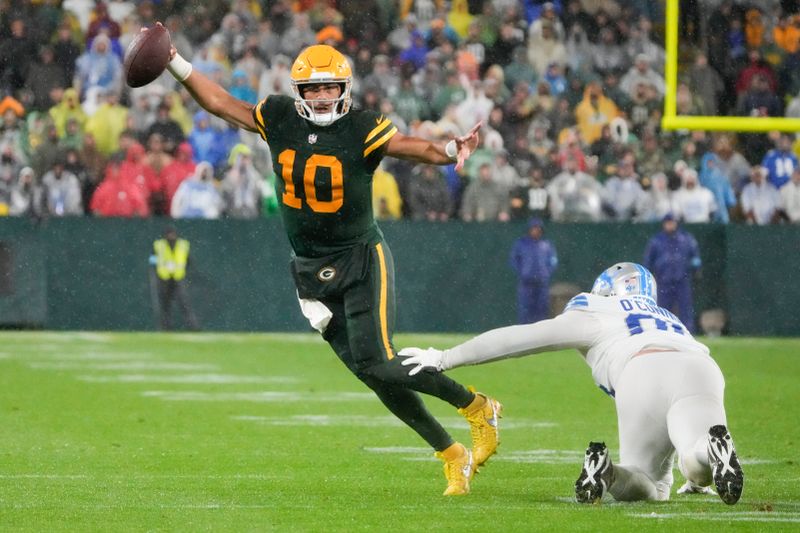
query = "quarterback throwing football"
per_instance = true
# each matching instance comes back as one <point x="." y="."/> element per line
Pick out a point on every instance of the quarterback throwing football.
<point x="667" y="389"/>
<point x="325" y="154"/>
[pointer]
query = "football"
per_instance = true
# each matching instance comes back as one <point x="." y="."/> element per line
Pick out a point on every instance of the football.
<point x="147" y="56"/>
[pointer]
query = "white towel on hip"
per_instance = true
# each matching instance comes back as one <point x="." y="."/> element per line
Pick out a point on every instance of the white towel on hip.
<point x="317" y="313"/>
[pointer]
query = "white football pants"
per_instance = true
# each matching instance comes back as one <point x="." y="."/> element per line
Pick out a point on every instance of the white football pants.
<point x="666" y="402"/>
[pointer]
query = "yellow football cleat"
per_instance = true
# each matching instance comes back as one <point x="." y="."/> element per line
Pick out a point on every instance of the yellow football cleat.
<point x="458" y="469"/>
<point x="483" y="415"/>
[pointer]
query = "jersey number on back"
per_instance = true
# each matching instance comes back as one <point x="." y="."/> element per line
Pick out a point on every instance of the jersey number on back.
<point x="287" y="160"/>
<point x="635" y="325"/>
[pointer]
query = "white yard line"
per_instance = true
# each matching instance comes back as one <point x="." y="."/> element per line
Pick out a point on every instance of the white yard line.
<point x="257" y="396"/>
<point x="200" y="338"/>
<point x="99" y="356"/>
<point x="728" y="516"/>
<point x="325" y="420"/>
<point x="121" y="506"/>
<point x="38" y="347"/>
<point x="295" y="338"/>
<point x="416" y="450"/>
<point x="752" y="461"/>
<point x="535" y="456"/>
<point x="146" y="476"/>
<point x="186" y="378"/>
<point x="375" y="421"/>
<point x="545" y="456"/>
<point x="241" y="338"/>
<point x="35" y="338"/>
<point x="121" y="365"/>
<point x="550" y="457"/>
<point x="91" y="336"/>
<point x="43" y="476"/>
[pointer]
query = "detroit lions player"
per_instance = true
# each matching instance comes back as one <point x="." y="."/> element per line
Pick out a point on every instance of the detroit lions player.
<point x="667" y="389"/>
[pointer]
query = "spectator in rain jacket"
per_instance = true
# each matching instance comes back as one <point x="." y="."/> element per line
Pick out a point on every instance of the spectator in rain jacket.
<point x="117" y="196"/>
<point x="99" y="69"/>
<point x="241" y="185"/>
<point x="197" y="196"/>
<point x="712" y="178"/>
<point x="205" y="140"/>
<point x="172" y="175"/>
<point x="68" y="107"/>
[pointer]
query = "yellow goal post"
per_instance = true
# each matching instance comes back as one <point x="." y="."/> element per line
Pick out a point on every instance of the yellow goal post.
<point x="671" y="121"/>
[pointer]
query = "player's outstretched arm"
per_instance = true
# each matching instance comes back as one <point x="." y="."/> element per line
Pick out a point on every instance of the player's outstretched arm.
<point x="434" y="152"/>
<point x="210" y="95"/>
<point x="571" y="330"/>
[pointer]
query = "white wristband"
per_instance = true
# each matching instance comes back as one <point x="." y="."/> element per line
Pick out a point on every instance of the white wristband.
<point x="179" y="68"/>
<point x="450" y="150"/>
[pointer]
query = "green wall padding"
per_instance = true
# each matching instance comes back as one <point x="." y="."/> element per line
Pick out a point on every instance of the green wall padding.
<point x="93" y="274"/>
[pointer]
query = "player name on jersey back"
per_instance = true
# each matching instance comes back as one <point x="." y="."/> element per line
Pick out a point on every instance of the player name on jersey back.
<point x="628" y="325"/>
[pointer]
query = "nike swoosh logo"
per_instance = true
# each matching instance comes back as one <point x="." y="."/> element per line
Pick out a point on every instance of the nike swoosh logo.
<point x="493" y="420"/>
<point x="467" y="468"/>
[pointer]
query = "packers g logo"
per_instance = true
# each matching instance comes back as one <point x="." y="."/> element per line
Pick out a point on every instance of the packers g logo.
<point x="326" y="274"/>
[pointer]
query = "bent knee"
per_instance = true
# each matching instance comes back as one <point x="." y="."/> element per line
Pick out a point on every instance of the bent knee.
<point x="383" y="372"/>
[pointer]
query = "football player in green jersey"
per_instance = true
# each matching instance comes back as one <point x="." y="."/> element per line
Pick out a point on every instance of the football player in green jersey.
<point x="325" y="153"/>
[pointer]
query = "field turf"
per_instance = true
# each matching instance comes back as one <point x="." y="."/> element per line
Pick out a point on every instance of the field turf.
<point x="269" y="432"/>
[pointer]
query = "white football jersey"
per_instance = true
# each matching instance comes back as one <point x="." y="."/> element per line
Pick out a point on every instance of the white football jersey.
<point x="607" y="330"/>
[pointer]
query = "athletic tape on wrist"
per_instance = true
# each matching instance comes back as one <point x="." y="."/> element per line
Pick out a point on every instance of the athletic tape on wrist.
<point x="451" y="150"/>
<point x="179" y="68"/>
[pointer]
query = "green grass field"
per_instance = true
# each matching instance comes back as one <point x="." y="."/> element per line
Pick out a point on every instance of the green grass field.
<point x="207" y="432"/>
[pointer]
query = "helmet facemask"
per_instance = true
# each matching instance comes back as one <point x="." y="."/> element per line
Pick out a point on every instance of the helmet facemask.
<point x="340" y="106"/>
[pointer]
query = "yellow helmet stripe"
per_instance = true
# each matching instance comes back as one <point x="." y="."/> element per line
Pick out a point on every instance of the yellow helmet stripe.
<point x="381" y="141"/>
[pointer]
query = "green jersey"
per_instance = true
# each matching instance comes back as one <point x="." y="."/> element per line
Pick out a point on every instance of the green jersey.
<point x="324" y="174"/>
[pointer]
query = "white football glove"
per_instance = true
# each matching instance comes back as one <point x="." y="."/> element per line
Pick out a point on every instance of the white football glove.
<point x="430" y="358"/>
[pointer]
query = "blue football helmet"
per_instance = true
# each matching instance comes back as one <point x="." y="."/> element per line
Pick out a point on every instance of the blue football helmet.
<point x="626" y="279"/>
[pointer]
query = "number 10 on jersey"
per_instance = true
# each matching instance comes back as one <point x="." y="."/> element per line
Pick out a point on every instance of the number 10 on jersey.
<point x="290" y="198"/>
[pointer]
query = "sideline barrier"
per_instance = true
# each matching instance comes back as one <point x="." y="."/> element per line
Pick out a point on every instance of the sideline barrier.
<point x="92" y="274"/>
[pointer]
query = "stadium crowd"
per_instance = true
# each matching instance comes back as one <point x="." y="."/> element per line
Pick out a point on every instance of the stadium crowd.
<point x="570" y="93"/>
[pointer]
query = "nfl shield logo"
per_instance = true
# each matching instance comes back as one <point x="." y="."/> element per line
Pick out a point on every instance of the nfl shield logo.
<point x="312" y="138"/>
